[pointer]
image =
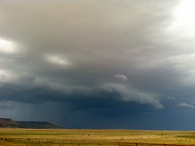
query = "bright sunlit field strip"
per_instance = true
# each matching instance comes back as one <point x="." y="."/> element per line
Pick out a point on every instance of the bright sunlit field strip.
<point x="92" y="137"/>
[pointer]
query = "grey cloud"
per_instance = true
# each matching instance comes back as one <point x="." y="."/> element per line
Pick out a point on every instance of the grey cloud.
<point x="76" y="34"/>
<point x="3" y="77"/>
<point x="130" y="94"/>
<point x="121" y="77"/>
<point x="26" y="78"/>
<point x="43" y="93"/>
<point x="185" y="105"/>
<point x="171" y="98"/>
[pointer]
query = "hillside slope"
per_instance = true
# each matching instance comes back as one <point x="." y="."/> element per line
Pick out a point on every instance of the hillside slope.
<point x="8" y="123"/>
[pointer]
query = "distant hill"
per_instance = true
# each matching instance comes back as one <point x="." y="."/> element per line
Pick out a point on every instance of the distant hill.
<point x="37" y="125"/>
<point x="9" y="123"/>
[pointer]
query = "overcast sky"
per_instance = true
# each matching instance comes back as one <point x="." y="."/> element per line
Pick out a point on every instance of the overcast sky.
<point x="99" y="64"/>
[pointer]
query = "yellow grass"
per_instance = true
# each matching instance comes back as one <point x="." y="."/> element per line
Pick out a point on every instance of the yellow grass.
<point x="66" y="137"/>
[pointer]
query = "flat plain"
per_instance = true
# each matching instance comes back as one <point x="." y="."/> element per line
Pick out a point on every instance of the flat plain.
<point x="83" y="137"/>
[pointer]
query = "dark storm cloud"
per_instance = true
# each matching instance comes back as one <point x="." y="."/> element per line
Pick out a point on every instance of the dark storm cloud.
<point x="94" y="58"/>
<point x="109" y="96"/>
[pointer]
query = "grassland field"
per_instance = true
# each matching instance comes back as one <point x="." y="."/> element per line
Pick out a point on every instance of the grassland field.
<point x="70" y="137"/>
